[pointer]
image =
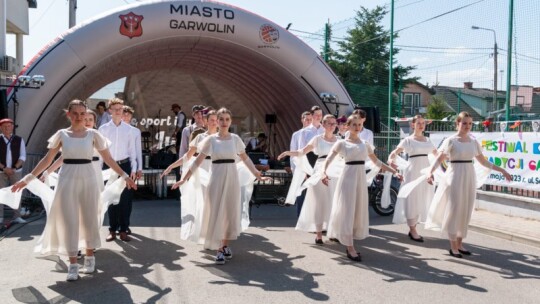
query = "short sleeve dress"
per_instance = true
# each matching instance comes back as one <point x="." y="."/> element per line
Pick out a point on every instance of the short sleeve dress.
<point x="349" y="219"/>
<point x="72" y="223"/>
<point x="222" y="209"/>
<point x="454" y="199"/>
<point x="414" y="208"/>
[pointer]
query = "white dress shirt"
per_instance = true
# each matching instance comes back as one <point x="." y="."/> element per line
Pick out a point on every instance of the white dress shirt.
<point x="22" y="154"/>
<point x="308" y="133"/>
<point x="295" y="143"/>
<point x="138" y="147"/>
<point x="122" y="138"/>
<point x="186" y="133"/>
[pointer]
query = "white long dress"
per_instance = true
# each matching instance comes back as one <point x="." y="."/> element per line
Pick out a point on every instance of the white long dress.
<point x="349" y="218"/>
<point x="222" y="207"/>
<point x="453" y="203"/>
<point x="193" y="193"/>
<point x="414" y="208"/>
<point x="315" y="213"/>
<point x="72" y="222"/>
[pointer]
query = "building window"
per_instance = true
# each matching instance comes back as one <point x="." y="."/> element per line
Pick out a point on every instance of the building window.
<point x="411" y="103"/>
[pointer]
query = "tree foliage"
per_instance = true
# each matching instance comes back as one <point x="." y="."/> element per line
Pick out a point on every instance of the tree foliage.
<point x="437" y="108"/>
<point x="361" y="60"/>
<point x="362" y="57"/>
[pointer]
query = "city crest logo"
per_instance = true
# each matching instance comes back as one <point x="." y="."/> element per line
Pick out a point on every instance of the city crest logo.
<point x="130" y="25"/>
<point x="268" y="34"/>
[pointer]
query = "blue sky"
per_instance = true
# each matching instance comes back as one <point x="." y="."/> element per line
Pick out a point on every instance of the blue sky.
<point x="444" y="49"/>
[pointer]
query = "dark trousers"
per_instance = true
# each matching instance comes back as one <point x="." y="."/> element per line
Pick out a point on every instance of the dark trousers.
<point x="119" y="214"/>
<point x="299" y="202"/>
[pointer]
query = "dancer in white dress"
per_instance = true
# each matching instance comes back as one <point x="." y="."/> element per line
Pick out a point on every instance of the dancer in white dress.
<point x="193" y="192"/>
<point x="222" y="201"/>
<point x="73" y="222"/>
<point x="453" y="202"/>
<point x="349" y="218"/>
<point x="315" y="213"/>
<point x="414" y="208"/>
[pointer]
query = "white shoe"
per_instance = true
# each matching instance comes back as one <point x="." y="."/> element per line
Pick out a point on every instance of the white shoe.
<point x="73" y="272"/>
<point x="227" y="253"/>
<point x="89" y="264"/>
<point x="220" y="259"/>
<point x="19" y="220"/>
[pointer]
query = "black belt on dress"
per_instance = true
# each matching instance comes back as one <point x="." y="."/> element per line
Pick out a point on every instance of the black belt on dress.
<point x="123" y="161"/>
<point x="461" y="161"/>
<point x="417" y="155"/>
<point x="223" y="161"/>
<point x="95" y="158"/>
<point x="323" y="156"/>
<point x="208" y="157"/>
<point x="76" y="161"/>
<point x="355" y="162"/>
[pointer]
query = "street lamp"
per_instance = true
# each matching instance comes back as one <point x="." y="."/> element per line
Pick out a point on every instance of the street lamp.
<point x="494" y="105"/>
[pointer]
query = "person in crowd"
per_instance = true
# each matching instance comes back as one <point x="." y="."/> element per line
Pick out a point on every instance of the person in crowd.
<point x="365" y="134"/>
<point x="349" y="218"/>
<point x="72" y="222"/>
<point x="342" y="126"/>
<point x="12" y="158"/>
<point x="103" y="116"/>
<point x="315" y="213"/>
<point x="181" y="121"/>
<point x="127" y="116"/>
<point x="222" y="223"/>
<point x="198" y="122"/>
<point x="257" y="144"/>
<point x="200" y="135"/>
<point x="413" y="209"/>
<point x="306" y="120"/>
<point x="453" y="202"/>
<point x="124" y="152"/>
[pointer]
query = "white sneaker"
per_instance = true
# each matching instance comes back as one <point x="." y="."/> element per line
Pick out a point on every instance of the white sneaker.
<point x="227" y="253"/>
<point x="89" y="264"/>
<point x="73" y="272"/>
<point x="19" y="220"/>
<point x="220" y="259"/>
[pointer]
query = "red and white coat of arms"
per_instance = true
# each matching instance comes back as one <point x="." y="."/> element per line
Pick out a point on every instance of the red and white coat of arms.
<point x="131" y="25"/>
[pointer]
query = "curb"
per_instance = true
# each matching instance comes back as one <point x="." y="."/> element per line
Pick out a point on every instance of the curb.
<point x="505" y="235"/>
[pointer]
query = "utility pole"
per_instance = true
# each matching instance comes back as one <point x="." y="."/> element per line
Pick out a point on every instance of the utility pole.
<point x="72" y="13"/>
<point x="509" y="59"/>
<point x="326" y="40"/>
<point x="3" y="29"/>
<point x="390" y="76"/>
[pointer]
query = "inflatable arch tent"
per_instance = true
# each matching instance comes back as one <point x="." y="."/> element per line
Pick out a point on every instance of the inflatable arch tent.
<point x="270" y="69"/>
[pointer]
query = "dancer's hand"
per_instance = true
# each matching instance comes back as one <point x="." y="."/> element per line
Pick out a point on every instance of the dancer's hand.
<point x="325" y="180"/>
<point x="430" y="178"/>
<point x="283" y="155"/>
<point x="166" y="172"/>
<point x="18" y="186"/>
<point x="178" y="184"/>
<point x="399" y="176"/>
<point x="130" y="184"/>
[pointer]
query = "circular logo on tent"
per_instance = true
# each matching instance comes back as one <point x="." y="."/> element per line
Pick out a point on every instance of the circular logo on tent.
<point x="268" y="34"/>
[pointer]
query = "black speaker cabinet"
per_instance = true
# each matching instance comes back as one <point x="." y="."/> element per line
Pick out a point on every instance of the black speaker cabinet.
<point x="373" y="119"/>
<point x="270" y="118"/>
<point x="3" y="104"/>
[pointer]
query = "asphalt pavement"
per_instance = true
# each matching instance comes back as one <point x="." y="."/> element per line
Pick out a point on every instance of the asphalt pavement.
<point x="273" y="263"/>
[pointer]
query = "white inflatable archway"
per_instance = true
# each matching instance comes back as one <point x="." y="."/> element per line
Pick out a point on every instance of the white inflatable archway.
<point x="273" y="70"/>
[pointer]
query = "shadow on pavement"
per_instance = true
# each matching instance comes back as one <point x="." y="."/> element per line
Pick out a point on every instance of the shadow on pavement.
<point x="114" y="271"/>
<point x="274" y="270"/>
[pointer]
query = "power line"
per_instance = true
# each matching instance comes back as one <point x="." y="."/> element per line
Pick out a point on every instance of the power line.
<point x="442" y="48"/>
<point x="440" y="52"/>
<point x="448" y="64"/>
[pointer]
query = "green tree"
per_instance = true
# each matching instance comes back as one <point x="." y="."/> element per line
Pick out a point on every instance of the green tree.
<point x="436" y="109"/>
<point x="361" y="61"/>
